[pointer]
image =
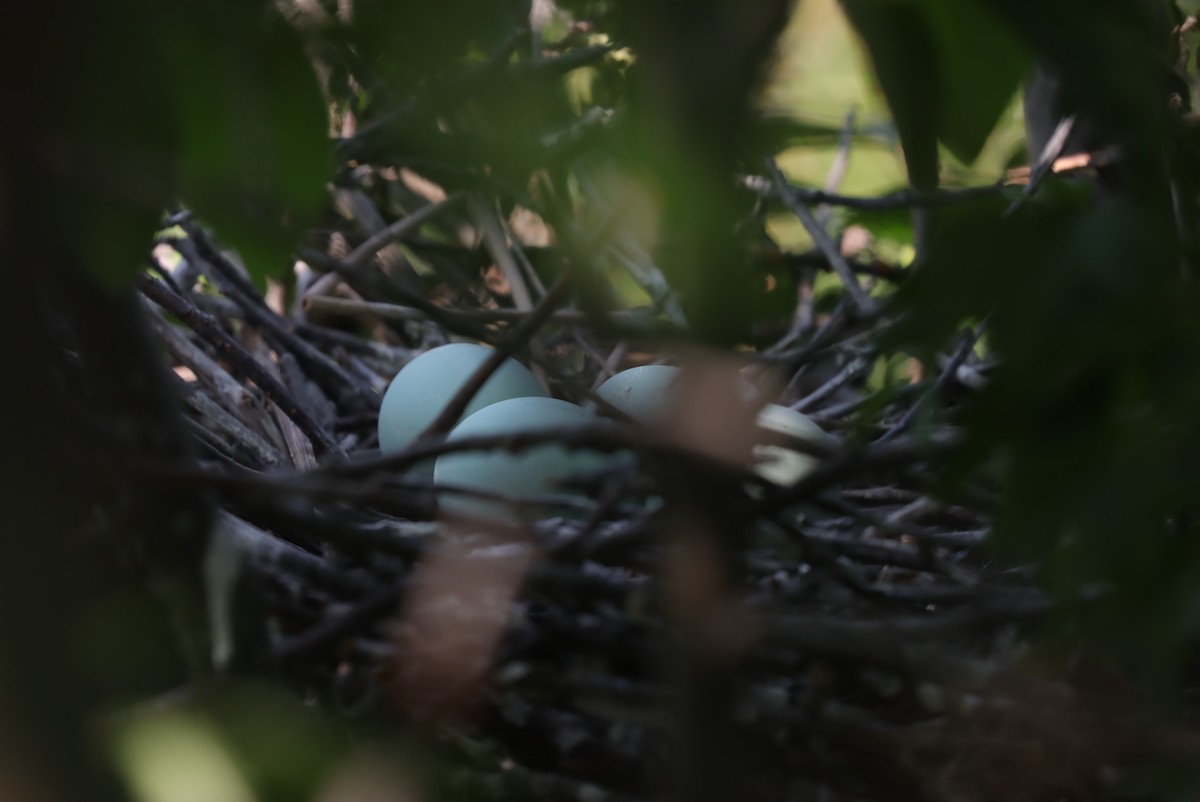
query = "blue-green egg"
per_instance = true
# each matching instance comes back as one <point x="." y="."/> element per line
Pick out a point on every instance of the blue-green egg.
<point x="423" y="388"/>
<point x="643" y="393"/>
<point x="646" y="393"/>
<point x="530" y="473"/>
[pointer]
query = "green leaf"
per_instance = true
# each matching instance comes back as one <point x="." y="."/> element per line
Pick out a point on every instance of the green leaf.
<point x="893" y="223"/>
<point x="136" y="107"/>
<point x="100" y="160"/>
<point x="981" y="68"/>
<point x="255" y="150"/>
<point x="975" y="257"/>
<point x="904" y="52"/>
<point x="1090" y="415"/>
<point x="1113" y="65"/>
<point x="947" y="69"/>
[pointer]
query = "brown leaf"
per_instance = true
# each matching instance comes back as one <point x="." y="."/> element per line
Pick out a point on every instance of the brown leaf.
<point x="455" y="615"/>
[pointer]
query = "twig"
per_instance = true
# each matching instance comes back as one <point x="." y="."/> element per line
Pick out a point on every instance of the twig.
<point x="865" y="306"/>
<point x="222" y="422"/>
<point x="948" y="375"/>
<point x="359" y="280"/>
<point x="487" y="221"/>
<point x="365" y="613"/>
<point x="889" y="641"/>
<point x="299" y="447"/>
<point x="902" y="199"/>
<point x="233" y="394"/>
<point x="242" y="362"/>
<point x="306" y="392"/>
<point x="802" y="317"/>
<point x="837" y="170"/>
<point x="851" y="461"/>
<point x="339" y="340"/>
<point x="853" y="370"/>
<point x="386" y="311"/>
<point x="272" y="553"/>
<point x="323" y="369"/>
<point x="520" y="335"/>
<point x="359" y="257"/>
<point x="814" y="258"/>
<point x="1045" y="163"/>
<point x="522" y="258"/>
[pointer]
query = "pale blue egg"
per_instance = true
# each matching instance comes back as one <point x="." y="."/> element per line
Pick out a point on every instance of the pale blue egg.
<point x="643" y="393"/>
<point x="423" y="388"/>
<point x="536" y="471"/>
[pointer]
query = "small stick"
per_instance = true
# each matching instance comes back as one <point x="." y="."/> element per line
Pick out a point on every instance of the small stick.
<point x="299" y="446"/>
<point x="228" y="428"/>
<point x="852" y="371"/>
<point x="397" y="230"/>
<point x="367" y="309"/>
<point x="949" y="373"/>
<point x="240" y="290"/>
<point x="243" y="363"/>
<point x="862" y="302"/>
<point x="487" y="221"/>
<point x="901" y="199"/>
<point x="234" y="394"/>
<point x="1045" y="163"/>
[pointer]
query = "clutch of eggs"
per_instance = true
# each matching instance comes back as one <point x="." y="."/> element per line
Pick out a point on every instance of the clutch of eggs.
<point x="512" y="401"/>
<point x="423" y="388"/>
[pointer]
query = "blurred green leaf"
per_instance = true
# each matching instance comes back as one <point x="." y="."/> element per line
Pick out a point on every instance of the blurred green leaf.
<point x="1090" y="418"/>
<point x="410" y="43"/>
<point x="981" y="68"/>
<point x="283" y="747"/>
<point x="893" y="224"/>
<point x="768" y="135"/>
<point x="948" y="71"/>
<point x="176" y="758"/>
<point x="101" y="165"/>
<point x="904" y="52"/>
<point x="1113" y="67"/>
<point x="211" y="103"/>
<point x="255" y="147"/>
<point x="974" y="259"/>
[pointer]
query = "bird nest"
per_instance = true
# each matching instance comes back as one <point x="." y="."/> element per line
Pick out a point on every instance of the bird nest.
<point x="845" y="636"/>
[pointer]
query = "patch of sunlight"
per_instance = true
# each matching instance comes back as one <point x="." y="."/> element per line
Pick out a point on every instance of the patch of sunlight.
<point x="820" y="70"/>
<point x="631" y="294"/>
<point x="872" y="168"/>
<point x="579" y="85"/>
<point x="175" y="232"/>
<point x="820" y="74"/>
<point x="167" y="256"/>
<point x="785" y="229"/>
<point x="175" y="758"/>
<point x="889" y="371"/>
<point x="1006" y="142"/>
<point x="826" y="283"/>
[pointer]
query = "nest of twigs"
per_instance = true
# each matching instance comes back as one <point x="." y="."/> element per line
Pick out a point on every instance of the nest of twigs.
<point x="844" y="637"/>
